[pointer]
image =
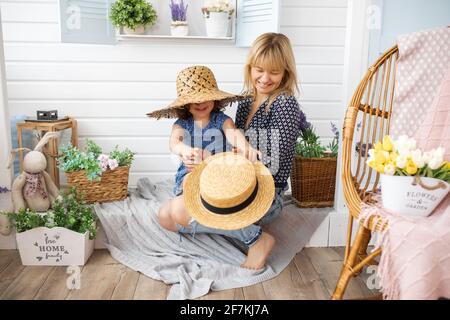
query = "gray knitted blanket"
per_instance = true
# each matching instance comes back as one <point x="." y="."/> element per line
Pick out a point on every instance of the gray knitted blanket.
<point x="193" y="265"/>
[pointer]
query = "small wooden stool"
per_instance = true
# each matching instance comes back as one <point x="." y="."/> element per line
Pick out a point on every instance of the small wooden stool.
<point x="48" y="126"/>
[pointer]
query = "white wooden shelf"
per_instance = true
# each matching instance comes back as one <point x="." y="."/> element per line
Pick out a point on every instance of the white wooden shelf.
<point x="153" y="36"/>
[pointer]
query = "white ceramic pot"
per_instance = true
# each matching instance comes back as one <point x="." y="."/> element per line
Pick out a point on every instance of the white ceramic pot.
<point x="217" y="24"/>
<point x="179" y="30"/>
<point x="138" y="30"/>
<point x="410" y="196"/>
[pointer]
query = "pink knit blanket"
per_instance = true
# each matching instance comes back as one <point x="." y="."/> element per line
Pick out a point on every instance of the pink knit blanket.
<point x="415" y="259"/>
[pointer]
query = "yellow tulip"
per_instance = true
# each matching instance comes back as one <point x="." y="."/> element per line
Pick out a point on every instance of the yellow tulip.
<point x="378" y="146"/>
<point x="380" y="168"/>
<point x="448" y="165"/>
<point x="379" y="157"/>
<point x="372" y="164"/>
<point x="411" y="167"/>
<point x="393" y="156"/>
<point x="387" y="143"/>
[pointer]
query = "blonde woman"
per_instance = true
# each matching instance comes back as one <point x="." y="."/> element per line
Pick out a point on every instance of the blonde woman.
<point x="272" y="120"/>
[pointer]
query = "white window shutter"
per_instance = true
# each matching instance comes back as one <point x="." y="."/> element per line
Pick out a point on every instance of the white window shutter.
<point x="255" y="17"/>
<point x="86" y="21"/>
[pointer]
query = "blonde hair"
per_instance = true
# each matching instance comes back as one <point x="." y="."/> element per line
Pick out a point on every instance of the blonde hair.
<point x="272" y="51"/>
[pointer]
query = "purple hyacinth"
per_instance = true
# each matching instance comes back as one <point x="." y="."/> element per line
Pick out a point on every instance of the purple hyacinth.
<point x="178" y="10"/>
<point x="334" y="130"/>
<point x="4" y="189"/>
<point x="304" y="124"/>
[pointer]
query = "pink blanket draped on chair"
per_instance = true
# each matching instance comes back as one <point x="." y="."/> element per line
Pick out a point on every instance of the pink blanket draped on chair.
<point x="415" y="259"/>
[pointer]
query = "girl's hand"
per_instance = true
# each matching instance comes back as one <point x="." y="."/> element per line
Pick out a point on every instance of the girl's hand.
<point x="191" y="157"/>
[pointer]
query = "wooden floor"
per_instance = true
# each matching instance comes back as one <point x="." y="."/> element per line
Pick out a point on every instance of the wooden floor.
<point x="312" y="274"/>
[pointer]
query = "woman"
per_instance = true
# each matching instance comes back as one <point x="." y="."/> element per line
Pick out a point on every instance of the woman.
<point x="272" y="121"/>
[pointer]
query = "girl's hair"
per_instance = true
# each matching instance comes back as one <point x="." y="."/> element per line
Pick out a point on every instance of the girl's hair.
<point x="183" y="112"/>
<point x="272" y="51"/>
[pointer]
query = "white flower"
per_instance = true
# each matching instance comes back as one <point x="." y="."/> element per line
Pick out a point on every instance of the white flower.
<point x="401" y="161"/>
<point x="389" y="169"/>
<point x="417" y="157"/>
<point x="404" y="145"/>
<point x="103" y="157"/>
<point x="439" y="152"/>
<point x="435" y="162"/>
<point x="426" y="156"/>
<point x="112" y="163"/>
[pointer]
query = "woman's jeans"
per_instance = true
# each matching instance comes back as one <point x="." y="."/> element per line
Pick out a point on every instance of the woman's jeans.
<point x="247" y="235"/>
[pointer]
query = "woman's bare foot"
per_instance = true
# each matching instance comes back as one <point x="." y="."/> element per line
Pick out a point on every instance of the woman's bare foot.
<point x="258" y="253"/>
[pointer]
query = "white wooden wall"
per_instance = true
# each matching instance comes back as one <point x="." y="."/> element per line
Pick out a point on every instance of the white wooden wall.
<point x="110" y="88"/>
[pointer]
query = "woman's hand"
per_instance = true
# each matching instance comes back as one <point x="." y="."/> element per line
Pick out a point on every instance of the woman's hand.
<point x="250" y="153"/>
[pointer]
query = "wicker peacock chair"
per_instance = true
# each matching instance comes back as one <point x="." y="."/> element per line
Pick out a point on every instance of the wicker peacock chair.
<point x="367" y="120"/>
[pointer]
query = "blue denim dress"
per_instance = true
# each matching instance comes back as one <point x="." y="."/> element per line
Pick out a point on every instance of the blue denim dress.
<point x="211" y="138"/>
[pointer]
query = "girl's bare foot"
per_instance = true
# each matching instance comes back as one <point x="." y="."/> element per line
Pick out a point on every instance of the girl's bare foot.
<point x="258" y="253"/>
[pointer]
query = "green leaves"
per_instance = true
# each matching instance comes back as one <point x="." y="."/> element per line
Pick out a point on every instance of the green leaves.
<point x="124" y="158"/>
<point x="132" y="13"/>
<point x="72" y="159"/>
<point x="308" y="144"/>
<point x="68" y="211"/>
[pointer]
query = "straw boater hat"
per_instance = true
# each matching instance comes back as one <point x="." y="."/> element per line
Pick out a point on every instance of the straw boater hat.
<point x="227" y="191"/>
<point x="195" y="85"/>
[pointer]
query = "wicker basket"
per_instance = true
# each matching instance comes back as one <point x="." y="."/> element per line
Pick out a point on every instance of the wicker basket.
<point x="313" y="182"/>
<point x="112" y="186"/>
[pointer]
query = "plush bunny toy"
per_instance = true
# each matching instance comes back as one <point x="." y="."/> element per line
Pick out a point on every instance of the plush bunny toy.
<point x="34" y="188"/>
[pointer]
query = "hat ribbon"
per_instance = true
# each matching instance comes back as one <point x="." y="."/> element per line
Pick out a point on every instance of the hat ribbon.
<point x="234" y="209"/>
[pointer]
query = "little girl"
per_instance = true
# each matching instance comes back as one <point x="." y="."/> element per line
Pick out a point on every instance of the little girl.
<point x="200" y="131"/>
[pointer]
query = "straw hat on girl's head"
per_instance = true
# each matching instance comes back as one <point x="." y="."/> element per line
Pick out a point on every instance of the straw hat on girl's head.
<point x="227" y="191"/>
<point x="195" y="84"/>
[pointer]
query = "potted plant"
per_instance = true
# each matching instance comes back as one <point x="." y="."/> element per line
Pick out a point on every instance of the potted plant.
<point x="217" y="15"/>
<point x="62" y="236"/>
<point x="179" y="25"/>
<point x="101" y="177"/>
<point x="313" y="176"/>
<point x="413" y="182"/>
<point x="133" y="15"/>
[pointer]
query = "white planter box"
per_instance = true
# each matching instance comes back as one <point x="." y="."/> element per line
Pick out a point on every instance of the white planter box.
<point x="54" y="247"/>
<point x="399" y="194"/>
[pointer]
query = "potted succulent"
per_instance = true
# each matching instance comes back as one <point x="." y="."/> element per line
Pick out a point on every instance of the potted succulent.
<point x="413" y="182"/>
<point x="218" y="14"/>
<point x="179" y="25"/>
<point x="101" y="177"/>
<point x="62" y="236"/>
<point x="133" y="15"/>
<point x="313" y="176"/>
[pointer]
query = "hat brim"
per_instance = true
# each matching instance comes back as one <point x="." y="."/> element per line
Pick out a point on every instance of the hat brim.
<point x="181" y="102"/>
<point x="241" y="219"/>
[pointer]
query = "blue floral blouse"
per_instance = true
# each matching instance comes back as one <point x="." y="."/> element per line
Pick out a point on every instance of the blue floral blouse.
<point x="274" y="133"/>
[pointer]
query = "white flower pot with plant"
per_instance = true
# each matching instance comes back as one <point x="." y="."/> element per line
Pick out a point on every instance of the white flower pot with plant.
<point x="218" y="16"/>
<point x="179" y="26"/>
<point x="62" y="236"/>
<point x="133" y="15"/>
<point x="413" y="182"/>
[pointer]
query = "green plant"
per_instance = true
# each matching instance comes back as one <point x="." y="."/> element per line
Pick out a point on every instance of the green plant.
<point x="93" y="161"/>
<point x="132" y="13"/>
<point x="308" y="144"/>
<point x="68" y="211"/>
<point x="72" y="159"/>
<point x="124" y="158"/>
